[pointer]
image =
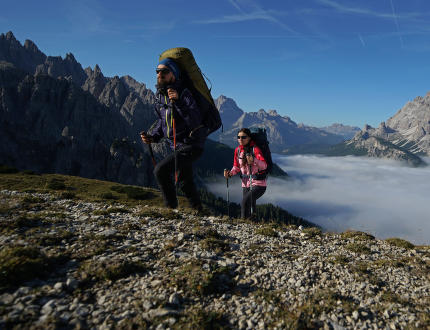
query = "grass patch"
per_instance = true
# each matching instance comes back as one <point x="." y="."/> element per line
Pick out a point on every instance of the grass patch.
<point x="5" y="208"/>
<point x="55" y="239"/>
<point x="201" y="279"/>
<point x="312" y="231"/>
<point x="214" y="244"/>
<point x="20" y="264"/>
<point x="33" y="200"/>
<point x="384" y="263"/>
<point x="108" y="195"/>
<point x="205" y="232"/>
<point x="266" y="231"/>
<point x="110" y="270"/>
<point x="306" y="316"/>
<point x="67" y="195"/>
<point x="339" y="260"/>
<point x="162" y="213"/>
<point x="133" y="192"/>
<point x="201" y="319"/>
<point x="360" y="268"/>
<point x="4" y="169"/>
<point x="359" y="235"/>
<point x="358" y="248"/>
<point x="400" y="243"/>
<point x="23" y="222"/>
<point x="85" y="189"/>
<point x="56" y="184"/>
<point x="111" y="210"/>
<point x="92" y="245"/>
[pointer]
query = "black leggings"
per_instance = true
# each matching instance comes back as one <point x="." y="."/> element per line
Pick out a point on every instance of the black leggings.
<point x="165" y="169"/>
<point x="256" y="193"/>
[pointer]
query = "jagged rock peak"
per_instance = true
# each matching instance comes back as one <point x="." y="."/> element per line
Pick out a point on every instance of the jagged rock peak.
<point x="224" y="102"/>
<point x="131" y="82"/>
<point x="9" y="36"/>
<point x="97" y="70"/>
<point x="273" y="113"/>
<point x="30" y="45"/>
<point x="367" y="127"/>
<point x="70" y="57"/>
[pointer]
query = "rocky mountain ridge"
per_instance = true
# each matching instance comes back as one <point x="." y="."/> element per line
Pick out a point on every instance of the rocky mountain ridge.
<point x="405" y="136"/>
<point x="124" y="94"/>
<point x="52" y="125"/>
<point x="282" y="132"/>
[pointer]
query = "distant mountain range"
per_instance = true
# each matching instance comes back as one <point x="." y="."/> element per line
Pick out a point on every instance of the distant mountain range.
<point x="284" y="135"/>
<point x="347" y="132"/>
<point x="404" y="137"/>
<point x="58" y="117"/>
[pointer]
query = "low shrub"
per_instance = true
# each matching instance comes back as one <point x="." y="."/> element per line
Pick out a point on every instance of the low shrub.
<point x="56" y="184"/>
<point x="19" y="264"/>
<point x="7" y="169"/>
<point x="133" y="192"/>
<point x="112" y="270"/>
<point x="400" y="243"/>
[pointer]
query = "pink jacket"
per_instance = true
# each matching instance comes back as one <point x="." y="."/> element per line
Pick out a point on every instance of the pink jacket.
<point x="241" y="165"/>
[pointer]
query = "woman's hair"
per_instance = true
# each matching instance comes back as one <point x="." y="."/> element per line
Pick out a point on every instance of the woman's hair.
<point x="246" y="131"/>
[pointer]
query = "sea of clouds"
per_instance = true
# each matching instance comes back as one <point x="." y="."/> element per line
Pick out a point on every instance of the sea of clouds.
<point x="382" y="197"/>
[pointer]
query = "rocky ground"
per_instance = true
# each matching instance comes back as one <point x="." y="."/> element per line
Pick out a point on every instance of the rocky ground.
<point x="68" y="263"/>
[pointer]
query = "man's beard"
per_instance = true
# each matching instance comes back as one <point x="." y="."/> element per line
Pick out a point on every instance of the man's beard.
<point x="163" y="83"/>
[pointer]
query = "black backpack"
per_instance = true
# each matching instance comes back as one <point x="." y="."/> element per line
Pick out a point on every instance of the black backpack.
<point x="259" y="136"/>
<point x="193" y="79"/>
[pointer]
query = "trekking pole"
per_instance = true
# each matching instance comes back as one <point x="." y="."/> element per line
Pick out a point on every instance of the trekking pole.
<point x="152" y="155"/>
<point x="228" y="196"/>
<point x="174" y="145"/>
<point x="250" y="185"/>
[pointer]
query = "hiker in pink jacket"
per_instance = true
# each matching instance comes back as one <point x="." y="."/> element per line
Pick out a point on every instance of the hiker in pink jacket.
<point x="250" y="163"/>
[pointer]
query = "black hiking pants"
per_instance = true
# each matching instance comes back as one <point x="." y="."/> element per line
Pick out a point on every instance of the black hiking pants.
<point x="164" y="173"/>
<point x="255" y="193"/>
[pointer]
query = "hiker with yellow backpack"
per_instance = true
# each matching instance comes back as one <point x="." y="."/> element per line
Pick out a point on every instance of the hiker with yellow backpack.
<point x="186" y="115"/>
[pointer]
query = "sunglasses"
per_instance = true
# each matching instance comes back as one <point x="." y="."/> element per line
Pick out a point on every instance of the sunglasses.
<point x="162" y="71"/>
<point x="242" y="137"/>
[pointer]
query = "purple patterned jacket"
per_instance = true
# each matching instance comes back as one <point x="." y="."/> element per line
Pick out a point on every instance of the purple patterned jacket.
<point x="187" y="118"/>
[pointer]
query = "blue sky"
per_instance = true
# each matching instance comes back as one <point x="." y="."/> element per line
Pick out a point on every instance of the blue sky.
<point x="316" y="61"/>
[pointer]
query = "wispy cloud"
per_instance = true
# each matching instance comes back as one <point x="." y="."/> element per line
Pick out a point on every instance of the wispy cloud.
<point x="248" y="11"/>
<point x="381" y="197"/>
<point x="397" y="23"/>
<point x="88" y="17"/>
<point x="368" y="12"/>
<point x="360" y="37"/>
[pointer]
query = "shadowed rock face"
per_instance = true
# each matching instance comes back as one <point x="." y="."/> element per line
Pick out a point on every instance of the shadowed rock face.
<point x="125" y="95"/>
<point x="52" y="125"/>
<point x="57" y="117"/>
